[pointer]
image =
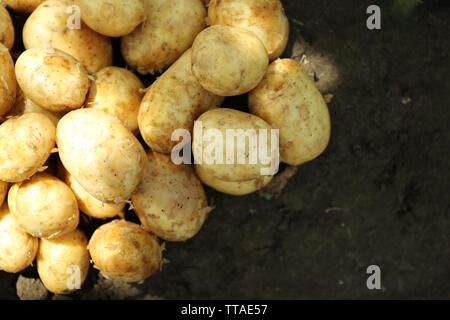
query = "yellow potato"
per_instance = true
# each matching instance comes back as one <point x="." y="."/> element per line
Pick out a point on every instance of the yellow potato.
<point x="173" y="102"/>
<point x="228" y="61"/>
<point x="170" y="201"/>
<point x="26" y="143"/>
<point x="3" y="191"/>
<point x="168" y="31"/>
<point x="44" y="206"/>
<point x="48" y="26"/>
<point x="227" y="145"/>
<point x="63" y="263"/>
<point x="6" y="28"/>
<point x="17" y="248"/>
<point x="123" y="250"/>
<point x="112" y="18"/>
<point x="52" y="79"/>
<point x="289" y="100"/>
<point x="8" y="84"/>
<point x="232" y="188"/>
<point x="25" y="6"/>
<point x="101" y="154"/>
<point x="265" y="18"/>
<point x="117" y="91"/>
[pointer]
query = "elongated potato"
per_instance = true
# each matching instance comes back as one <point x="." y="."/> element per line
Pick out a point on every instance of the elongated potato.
<point x="123" y="250"/>
<point x="117" y="91"/>
<point x="6" y="29"/>
<point x="101" y="154"/>
<point x="112" y="18"/>
<point x="3" y="191"/>
<point x="26" y="142"/>
<point x="17" y="248"/>
<point x="265" y="18"/>
<point x="52" y="20"/>
<point x="173" y="102"/>
<point x="52" y="79"/>
<point x="228" y="61"/>
<point x="288" y="99"/>
<point x="25" y="6"/>
<point x="170" y="201"/>
<point x="63" y="263"/>
<point x="168" y="31"/>
<point x="8" y="84"/>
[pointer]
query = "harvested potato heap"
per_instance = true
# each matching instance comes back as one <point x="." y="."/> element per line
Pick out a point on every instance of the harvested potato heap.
<point x="73" y="127"/>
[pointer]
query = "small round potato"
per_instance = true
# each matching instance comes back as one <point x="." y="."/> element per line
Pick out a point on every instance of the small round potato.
<point x="265" y="18"/>
<point x="6" y="28"/>
<point x="173" y="102"/>
<point x="112" y="18"/>
<point x="123" y="250"/>
<point x="288" y="99"/>
<point x="63" y="263"/>
<point x="25" y="6"/>
<point x="228" y="61"/>
<point x="17" y="248"/>
<point x="168" y="31"/>
<point x="44" y="206"/>
<point x="3" y="191"/>
<point x="8" y="84"/>
<point x="26" y="143"/>
<point x="52" y="79"/>
<point x="54" y="24"/>
<point x="101" y="154"/>
<point x="117" y="91"/>
<point x="170" y="201"/>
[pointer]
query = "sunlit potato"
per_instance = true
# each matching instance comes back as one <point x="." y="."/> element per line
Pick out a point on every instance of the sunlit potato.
<point x="6" y="28"/>
<point x="25" y="6"/>
<point x="8" y="84"/>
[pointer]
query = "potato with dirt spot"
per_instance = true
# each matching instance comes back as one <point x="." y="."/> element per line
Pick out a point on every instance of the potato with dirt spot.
<point x="3" y="191"/>
<point x="52" y="79"/>
<point x="47" y="27"/>
<point x="123" y="250"/>
<point x="101" y="154"/>
<point x="228" y="61"/>
<point x="174" y="101"/>
<point x="289" y="100"/>
<point x="6" y="28"/>
<point x="8" y="84"/>
<point x="17" y="248"/>
<point x="25" y="6"/>
<point x="26" y="143"/>
<point x="63" y="263"/>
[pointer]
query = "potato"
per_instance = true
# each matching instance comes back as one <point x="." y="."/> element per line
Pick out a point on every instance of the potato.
<point x="168" y="31"/>
<point x="226" y="158"/>
<point x="52" y="79"/>
<point x="101" y="154"/>
<point x="265" y="18"/>
<point x="44" y="206"/>
<point x="26" y="143"/>
<point x="6" y="28"/>
<point x="123" y="250"/>
<point x="25" y="6"/>
<point x="17" y="248"/>
<point x="173" y="102"/>
<point x="228" y="61"/>
<point x="87" y="203"/>
<point x="63" y="263"/>
<point x="51" y="19"/>
<point x="288" y="99"/>
<point x="112" y="18"/>
<point x="8" y="84"/>
<point x="117" y="91"/>
<point x="3" y="191"/>
<point x="232" y="188"/>
<point x="170" y="201"/>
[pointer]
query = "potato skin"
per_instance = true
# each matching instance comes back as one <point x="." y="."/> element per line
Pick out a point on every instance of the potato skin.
<point x="26" y="143"/>
<point x="56" y="257"/>
<point x="170" y="201"/>
<point x="228" y="61"/>
<point x="265" y="18"/>
<point x="101" y="154"/>
<point x="173" y="102"/>
<point x="25" y="6"/>
<point x="117" y="91"/>
<point x="52" y="79"/>
<point x="93" y="50"/>
<point x="288" y="99"/>
<point x="6" y="29"/>
<point x="17" y="248"/>
<point x="123" y="250"/>
<point x="169" y="30"/>
<point x="8" y="84"/>
<point x="3" y="191"/>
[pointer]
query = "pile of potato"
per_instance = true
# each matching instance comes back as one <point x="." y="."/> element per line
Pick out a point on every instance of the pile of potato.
<point x="79" y="134"/>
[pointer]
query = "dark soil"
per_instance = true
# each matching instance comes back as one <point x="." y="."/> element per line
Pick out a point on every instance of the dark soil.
<point x="377" y="196"/>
